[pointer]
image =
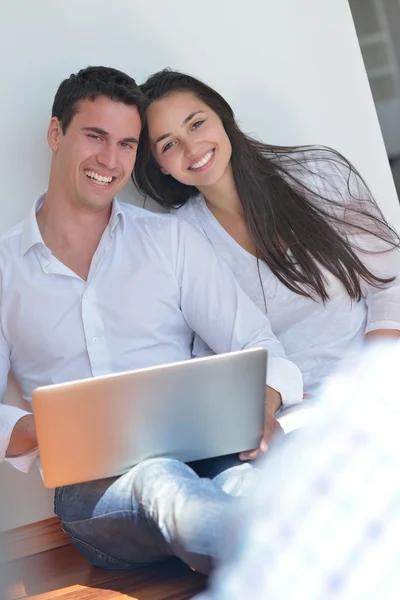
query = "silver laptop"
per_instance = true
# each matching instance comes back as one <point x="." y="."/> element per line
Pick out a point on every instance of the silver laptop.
<point x="196" y="409"/>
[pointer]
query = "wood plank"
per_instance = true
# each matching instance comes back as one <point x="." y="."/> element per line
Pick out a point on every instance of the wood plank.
<point x="153" y="586"/>
<point x="52" y="570"/>
<point x="65" y="574"/>
<point x="33" y="539"/>
<point x="155" y="583"/>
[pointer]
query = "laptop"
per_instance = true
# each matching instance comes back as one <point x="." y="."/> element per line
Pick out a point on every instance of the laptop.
<point x="196" y="409"/>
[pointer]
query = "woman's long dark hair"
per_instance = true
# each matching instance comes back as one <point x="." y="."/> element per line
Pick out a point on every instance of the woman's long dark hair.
<point x="289" y="198"/>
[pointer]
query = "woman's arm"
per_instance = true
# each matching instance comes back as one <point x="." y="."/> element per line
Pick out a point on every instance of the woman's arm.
<point x="383" y="302"/>
<point x="379" y="334"/>
<point x="337" y="182"/>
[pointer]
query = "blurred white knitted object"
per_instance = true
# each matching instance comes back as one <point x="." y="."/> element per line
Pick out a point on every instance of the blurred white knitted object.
<point x="324" y="519"/>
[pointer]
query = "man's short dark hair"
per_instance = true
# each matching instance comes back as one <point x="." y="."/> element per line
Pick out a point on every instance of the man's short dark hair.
<point x="90" y="83"/>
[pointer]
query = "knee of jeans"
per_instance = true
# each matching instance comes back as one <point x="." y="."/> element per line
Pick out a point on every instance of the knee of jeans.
<point x="237" y="481"/>
<point x="86" y="500"/>
<point x="152" y="473"/>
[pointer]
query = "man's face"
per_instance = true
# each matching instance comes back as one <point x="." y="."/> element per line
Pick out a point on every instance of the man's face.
<point x="95" y="157"/>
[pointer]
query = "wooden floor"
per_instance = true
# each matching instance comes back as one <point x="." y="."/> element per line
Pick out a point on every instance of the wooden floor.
<point x="44" y="565"/>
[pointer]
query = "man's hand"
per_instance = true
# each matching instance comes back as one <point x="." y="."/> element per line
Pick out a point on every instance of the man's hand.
<point x="273" y="402"/>
<point x="23" y="438"/>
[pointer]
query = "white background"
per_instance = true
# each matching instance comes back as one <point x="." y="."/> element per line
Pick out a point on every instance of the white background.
<point x="291" y="69"/>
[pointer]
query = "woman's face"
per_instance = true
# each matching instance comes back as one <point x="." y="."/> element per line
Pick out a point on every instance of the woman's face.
<point x="188" y="140"/>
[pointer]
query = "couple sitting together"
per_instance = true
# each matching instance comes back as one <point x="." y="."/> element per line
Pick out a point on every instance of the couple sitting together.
<point x="268" y="246"/>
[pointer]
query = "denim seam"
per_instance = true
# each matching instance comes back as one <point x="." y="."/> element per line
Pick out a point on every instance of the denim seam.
<point x="94" y="517"/>
<point x="58" y="493"/>
<point x="100" y="553"/>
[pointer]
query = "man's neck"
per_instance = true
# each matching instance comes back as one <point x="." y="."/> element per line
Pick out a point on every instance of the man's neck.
<point x="71" y="232"/>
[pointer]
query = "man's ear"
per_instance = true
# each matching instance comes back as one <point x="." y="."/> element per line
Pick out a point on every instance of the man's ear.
<point x="54" y="134"/>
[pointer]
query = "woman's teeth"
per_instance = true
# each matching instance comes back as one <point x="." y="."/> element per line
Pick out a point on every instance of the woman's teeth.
<point x="203" y="161"/>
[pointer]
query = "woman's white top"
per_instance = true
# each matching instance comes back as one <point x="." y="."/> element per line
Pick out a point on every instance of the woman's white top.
<point x="317" y="337"/>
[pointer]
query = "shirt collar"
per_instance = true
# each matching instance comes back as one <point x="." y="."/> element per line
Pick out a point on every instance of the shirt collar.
<point x="117" y="216"/>
<point x="31" y="235"/>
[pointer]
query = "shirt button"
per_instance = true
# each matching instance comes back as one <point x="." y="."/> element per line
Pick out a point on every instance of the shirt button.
<point x="85" y="296"/>
<point x="94" y="340"/>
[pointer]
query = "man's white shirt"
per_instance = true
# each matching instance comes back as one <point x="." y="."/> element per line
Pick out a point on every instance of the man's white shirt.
<point x="153" y="281"/>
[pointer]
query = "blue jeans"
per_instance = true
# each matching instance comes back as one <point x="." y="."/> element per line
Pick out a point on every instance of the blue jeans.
<point x="160" y="508"/>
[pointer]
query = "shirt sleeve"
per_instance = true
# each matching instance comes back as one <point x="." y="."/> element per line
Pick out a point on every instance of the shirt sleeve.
<point x="354" y="204"/>
<point x="217" y="309"/>
<point x="383" y="302"/>
<point x="9" y="415"/>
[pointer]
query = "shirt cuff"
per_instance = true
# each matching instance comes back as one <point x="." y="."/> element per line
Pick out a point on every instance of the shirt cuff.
<point x="286" y="378"/>
<point x="23" y="462"/>
<point x="9" y="417"/>
<point x="383" y="324"/>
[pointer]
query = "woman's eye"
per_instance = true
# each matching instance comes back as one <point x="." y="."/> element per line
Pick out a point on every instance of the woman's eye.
<point x="167" y="146"/>
<point x="197" y="124"/>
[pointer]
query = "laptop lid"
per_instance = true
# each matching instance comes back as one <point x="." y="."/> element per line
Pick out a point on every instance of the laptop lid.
<point x="196" y="409"/>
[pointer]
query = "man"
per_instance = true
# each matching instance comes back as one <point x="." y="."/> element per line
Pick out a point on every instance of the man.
<point x="90" y="286"/>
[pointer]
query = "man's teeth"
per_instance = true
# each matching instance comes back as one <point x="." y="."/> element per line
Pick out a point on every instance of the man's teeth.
<point x="99" y="179"/>
<point x="203" y="161"/>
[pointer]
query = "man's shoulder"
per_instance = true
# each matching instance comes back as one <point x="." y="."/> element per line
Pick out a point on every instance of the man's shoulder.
<point x="136" y="215"/>
<point x="190" y="207"/>
<point x="160" y="226"/>
<point x="10" y="240"/>
<point x="190" y="212"/>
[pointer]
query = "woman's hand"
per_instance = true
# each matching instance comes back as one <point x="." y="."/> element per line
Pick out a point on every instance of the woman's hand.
<point x="273" y="402"/>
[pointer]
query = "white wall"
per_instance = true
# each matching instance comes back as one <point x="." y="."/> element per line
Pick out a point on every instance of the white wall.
<point x="292" y="70"/>
<point x="23" y="497"/>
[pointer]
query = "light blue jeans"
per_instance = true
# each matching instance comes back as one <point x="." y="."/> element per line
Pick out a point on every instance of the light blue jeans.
<point x="160" y="508"/>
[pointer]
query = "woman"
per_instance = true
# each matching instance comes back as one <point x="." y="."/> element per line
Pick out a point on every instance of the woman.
<point x="297" y="226"/>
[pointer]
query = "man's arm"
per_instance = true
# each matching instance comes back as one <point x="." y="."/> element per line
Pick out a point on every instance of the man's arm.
<point x="23" y="437"/>
<point x="216" y="308"/>
<point x="17" y="429"/>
